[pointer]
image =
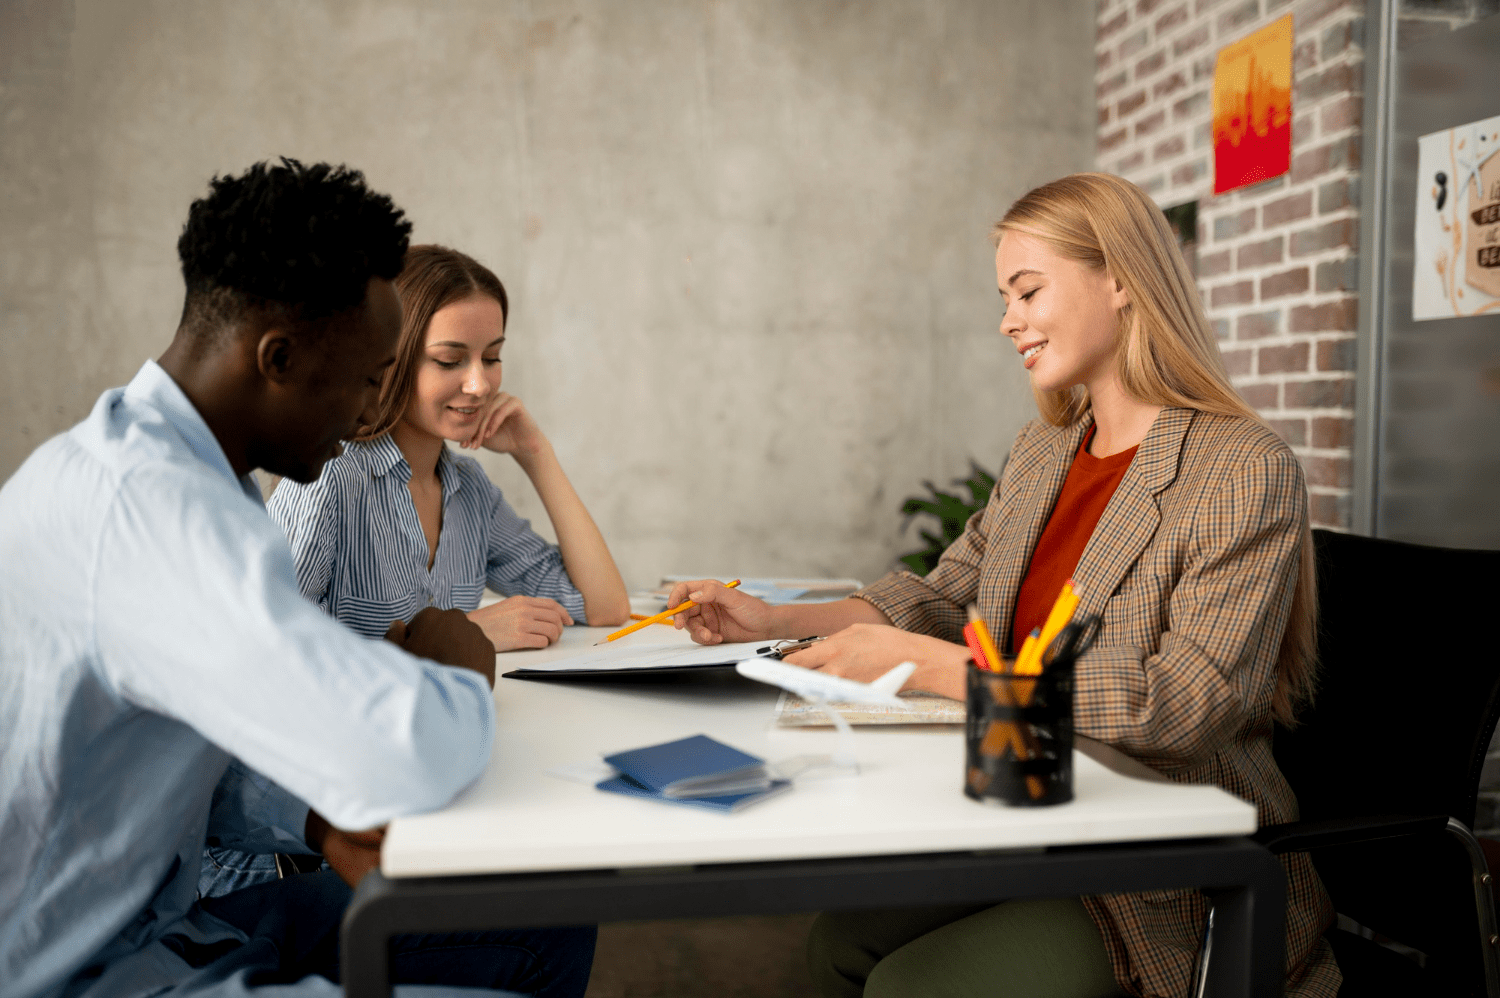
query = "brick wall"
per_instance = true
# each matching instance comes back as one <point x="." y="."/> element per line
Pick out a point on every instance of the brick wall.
<point x="1276" y="262"/>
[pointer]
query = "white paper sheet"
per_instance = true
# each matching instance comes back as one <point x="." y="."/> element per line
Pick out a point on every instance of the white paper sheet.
<point x="621" y="657"/>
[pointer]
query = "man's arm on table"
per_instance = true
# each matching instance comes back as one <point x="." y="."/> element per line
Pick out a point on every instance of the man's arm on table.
<point x="252" y="813"/>
<point x="359" y="729"/>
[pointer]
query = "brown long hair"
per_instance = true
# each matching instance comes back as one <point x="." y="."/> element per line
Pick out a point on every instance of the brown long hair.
<point x="1168" y="355"/>
<point x="432" y="278"/>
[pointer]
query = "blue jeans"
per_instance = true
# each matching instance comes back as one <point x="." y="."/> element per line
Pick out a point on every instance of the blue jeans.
<point x="300" y="917"/>
<point x="227" y="870"/>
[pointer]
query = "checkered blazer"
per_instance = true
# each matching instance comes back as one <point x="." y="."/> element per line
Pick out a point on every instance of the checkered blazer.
<point x="1191" y="571"/>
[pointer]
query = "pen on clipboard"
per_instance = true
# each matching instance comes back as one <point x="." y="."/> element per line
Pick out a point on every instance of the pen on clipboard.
<point x="790" y="646"/>
<point x="658" y="618"/>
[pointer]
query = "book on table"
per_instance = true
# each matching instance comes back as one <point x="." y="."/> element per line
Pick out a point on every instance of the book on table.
<point x="698" y="771"/>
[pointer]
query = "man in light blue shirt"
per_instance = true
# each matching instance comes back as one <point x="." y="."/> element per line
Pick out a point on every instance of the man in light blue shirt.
<point x="151" y="629"/>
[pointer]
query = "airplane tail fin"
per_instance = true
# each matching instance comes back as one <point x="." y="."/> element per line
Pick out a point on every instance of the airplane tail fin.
<point x="893" y="680"/>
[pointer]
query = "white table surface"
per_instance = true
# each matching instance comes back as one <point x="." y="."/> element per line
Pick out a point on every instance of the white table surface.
<point x="907" y="799"/>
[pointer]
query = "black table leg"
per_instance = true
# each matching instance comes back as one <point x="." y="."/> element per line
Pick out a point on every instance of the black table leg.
<point x="1247" y="882"/>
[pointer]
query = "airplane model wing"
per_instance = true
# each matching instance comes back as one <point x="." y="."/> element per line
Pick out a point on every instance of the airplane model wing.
<point x="813" y="685"/>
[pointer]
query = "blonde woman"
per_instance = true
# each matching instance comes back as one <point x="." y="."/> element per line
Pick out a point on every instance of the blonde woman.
<point x="1182" y="517"/>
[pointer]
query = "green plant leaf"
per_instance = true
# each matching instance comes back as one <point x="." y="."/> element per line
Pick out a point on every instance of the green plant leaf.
<point x="951" y="511"/>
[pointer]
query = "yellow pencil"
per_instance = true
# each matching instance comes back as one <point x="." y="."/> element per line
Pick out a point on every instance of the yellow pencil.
<point x="1029" y="662"/>
<point x="1062" y="613"/>
<point x="660" y="617"/>
<point x="1027" y="653"/>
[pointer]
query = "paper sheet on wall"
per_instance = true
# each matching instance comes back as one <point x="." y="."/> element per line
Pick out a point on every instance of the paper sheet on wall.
<point x="1456" y="266"/>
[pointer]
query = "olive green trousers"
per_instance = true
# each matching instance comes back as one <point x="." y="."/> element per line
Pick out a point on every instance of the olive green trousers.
<point x="1042" y="948"/>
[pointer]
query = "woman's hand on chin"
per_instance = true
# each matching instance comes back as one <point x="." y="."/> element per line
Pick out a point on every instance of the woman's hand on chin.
<point x="865" y="652"/>
<point x="507" y="427"/>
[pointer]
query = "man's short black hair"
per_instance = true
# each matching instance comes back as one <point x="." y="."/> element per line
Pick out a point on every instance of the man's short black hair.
<point x="297" y="242"/>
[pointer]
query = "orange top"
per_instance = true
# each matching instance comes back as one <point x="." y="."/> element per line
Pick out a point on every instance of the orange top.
<point x="1090" y="484"/>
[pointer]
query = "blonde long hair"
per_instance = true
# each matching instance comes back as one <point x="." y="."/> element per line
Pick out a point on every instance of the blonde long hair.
<point x="1168" y="355"/>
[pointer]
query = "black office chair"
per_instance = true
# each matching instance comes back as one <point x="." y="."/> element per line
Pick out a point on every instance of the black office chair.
<point x="1386" y="763"/>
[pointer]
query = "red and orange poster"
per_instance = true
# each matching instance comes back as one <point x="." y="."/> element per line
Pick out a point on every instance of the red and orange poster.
<point x="1253" y="108"/>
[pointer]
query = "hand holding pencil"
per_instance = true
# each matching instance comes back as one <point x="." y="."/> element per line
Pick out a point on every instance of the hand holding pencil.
<point x="717" y="613"/>
<point x="660" y="618"/>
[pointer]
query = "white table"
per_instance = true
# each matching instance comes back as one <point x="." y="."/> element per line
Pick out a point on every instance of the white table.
<point x="524" y="848"/>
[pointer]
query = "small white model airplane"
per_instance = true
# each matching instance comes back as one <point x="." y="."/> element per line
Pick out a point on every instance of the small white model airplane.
<point x="825" y="690"/>
<point x="819" y="687"/>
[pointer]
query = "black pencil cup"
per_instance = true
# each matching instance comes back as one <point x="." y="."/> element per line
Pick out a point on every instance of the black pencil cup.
<point x="1019" y="737"/>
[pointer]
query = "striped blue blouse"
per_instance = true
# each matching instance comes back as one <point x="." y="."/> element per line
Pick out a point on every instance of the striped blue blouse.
<point x="361" y="554"/>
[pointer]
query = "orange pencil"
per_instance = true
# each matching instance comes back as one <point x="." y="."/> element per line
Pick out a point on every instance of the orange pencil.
<point x="991" y="653"/>
<point x="660" y="617"/>
<point x="642" y="616"/>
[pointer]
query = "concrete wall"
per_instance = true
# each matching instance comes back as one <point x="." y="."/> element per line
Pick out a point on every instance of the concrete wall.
<point x="745" y="239"/>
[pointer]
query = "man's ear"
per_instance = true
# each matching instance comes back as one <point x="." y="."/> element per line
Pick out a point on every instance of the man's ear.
<point x="277" y="354"/>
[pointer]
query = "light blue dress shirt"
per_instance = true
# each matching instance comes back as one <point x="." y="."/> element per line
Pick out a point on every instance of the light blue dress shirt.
<point x="150" y="629"/>
<point x="361" y="554"/>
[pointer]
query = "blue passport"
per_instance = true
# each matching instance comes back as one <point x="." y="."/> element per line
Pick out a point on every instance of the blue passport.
<point x="697" y="771"/>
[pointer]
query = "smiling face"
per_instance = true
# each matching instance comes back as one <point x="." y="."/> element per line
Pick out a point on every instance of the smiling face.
<point x="459" y="370"/>
<point x="1060" y="314"/>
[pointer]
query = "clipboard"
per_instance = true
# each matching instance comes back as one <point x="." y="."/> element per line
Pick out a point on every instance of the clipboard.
<point x="628" y="662"/>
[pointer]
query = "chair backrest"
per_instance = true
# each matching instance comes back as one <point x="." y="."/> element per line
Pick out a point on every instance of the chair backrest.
<point x="1408" y="698"/>
<point x="1409" y="681"/>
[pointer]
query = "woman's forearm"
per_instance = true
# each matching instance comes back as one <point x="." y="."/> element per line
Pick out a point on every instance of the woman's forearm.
<point x="585" y="555"/>
<point x="822" y="619"/>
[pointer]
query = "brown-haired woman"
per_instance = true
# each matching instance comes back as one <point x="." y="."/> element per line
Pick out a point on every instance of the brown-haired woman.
<point x="399" y="522"/>
<point x="1183" y="519"/>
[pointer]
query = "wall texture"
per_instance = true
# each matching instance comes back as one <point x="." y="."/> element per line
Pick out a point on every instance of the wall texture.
<point x="753" y="300"/>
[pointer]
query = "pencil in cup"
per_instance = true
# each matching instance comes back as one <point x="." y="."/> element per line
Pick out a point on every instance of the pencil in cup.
<point x="1030" y="661"/>
<point x="659" y="618"/>
<point x="1000" y="734"/>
